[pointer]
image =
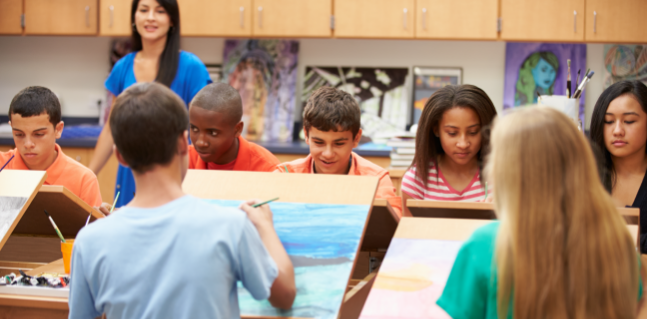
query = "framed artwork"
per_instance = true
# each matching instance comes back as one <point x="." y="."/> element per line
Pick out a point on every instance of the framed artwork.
<point x="428" y="80"/>
<point x="625" y="62"/>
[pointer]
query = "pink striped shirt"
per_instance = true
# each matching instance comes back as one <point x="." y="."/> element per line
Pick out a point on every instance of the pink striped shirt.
<point x="437" y="187"/>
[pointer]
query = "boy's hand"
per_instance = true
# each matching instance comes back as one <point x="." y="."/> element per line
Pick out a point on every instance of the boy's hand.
<point x="104" y="208"/>
<point x="260" y="216"/>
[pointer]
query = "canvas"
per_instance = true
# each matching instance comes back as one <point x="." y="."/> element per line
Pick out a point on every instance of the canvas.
<point x="265" y="74"/>
<point x="532" y="68"/>
<point x="411" y="278"/>
<point x="624" y="62"/>
<point x="10" y="207"/>
<point x="322" y="241"/>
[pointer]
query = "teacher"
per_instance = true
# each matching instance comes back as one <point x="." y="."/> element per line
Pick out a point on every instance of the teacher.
<point x="156" y="57"/>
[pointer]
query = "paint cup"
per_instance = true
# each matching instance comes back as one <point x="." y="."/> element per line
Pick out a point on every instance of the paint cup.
<point x="562" y="103"/>
<point x="66" y="249"/>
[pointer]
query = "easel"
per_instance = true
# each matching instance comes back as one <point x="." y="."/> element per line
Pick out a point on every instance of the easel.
<point x="31" y="243"/>
<point x="379" y="232"/>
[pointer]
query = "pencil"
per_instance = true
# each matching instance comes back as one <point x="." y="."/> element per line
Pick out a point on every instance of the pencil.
<point x="5" y="164"/>
<point x="265" y="202"/>
<point x="485" y="191"/>
<point x="58" y="232"/>
<point x="115" y="202"/>
<point x="286" y="168"/>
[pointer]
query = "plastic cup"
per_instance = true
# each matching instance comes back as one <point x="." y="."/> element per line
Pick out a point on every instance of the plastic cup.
<point x="66" y="249"/>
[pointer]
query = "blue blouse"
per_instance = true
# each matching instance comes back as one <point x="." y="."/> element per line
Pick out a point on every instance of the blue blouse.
<point x="190" y="78"/>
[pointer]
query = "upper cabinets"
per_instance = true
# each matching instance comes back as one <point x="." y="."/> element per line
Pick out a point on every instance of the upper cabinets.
<point x="10" y="12"/>
<point x="292" y="18"/>
<point x="546" y="20"/>
<point x="616" y="21"/>
<point x="457" y="19"/>
<point x="58" y="17"/>
<point x="216" y="17"/>
<point x="114" y="17"/>
<point x="374" y="18"/>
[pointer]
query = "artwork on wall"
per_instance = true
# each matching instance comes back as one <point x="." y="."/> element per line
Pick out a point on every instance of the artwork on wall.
<point x="625" y="62"/>
<point x="540" y="68"/>
<point x="411" y="278"/>
<point x="265" y="74"/>
<point x="380" y="93"/>
<point x="322" y="241"/>
<point x="428" y="80"/>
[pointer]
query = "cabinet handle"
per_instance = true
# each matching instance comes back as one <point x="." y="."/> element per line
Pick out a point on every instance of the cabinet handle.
<point x="574" y="21"/>
<point x="112" y="12"/>
<point x="87" y="16"/>
<point x="242" y="17"/>
<point x="595" y="22"/>
<point x="404" y="20"/>
<point x="260" y="17"/>
<point x="424" y="18"/>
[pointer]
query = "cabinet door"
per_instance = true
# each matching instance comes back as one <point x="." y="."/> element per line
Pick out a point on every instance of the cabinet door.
<point x="10" y="12"/>
<point x="545" y="20"/>
<point x="457" y="19"/>
<point x="616" y="21"/>
<point x="61" y="17"/>
<point x="292" y="18"/>
<point x="114" y="17"/>
<point x="374" y="18"/>
<point x="216" y="17"/>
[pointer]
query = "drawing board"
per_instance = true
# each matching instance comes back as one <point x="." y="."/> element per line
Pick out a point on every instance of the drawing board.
<point x="381" y="226"/>
<point x="448" y="209"/>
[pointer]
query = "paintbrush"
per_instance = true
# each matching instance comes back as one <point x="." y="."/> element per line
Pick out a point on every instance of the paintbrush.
<point x="58" y="232"/>
<point x="115" y="202"/>
<point x="580" y="88"/>
<point x="265" y="202"/>
<point x="5" y="164"/>
<point x="568" y="79"/>
<point x="577" y="79"/>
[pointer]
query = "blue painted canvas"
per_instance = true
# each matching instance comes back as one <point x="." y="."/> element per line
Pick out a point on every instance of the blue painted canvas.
<point x="322" y="241"/>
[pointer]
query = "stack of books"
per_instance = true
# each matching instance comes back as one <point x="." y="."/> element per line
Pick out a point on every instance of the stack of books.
<point x="404" y="148"/>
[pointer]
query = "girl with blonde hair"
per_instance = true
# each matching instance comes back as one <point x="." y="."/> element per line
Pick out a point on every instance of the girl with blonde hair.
<point x="560" y="249"/>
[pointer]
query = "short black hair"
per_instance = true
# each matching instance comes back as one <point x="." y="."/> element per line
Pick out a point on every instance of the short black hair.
<point x="330" y="109"/>
<point x="220" y="97"/>
<point x="34" y="101"/>
<point x="146" y="121"/>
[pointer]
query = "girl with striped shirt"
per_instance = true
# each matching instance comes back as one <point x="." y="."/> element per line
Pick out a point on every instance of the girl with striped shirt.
<point x="449" y="144"/>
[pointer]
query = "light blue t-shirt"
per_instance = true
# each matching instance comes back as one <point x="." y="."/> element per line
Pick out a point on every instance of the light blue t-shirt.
<point x="180" y="260"/>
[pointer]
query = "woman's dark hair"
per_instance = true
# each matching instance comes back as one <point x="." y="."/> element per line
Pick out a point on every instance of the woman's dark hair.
<point x="639" y="91"/>
<point x="428" y="146"/>
<point x="170" y="58"/>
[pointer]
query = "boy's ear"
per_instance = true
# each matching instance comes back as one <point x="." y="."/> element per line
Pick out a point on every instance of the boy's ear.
<point x="119" y="157"/>
<point x="183" y="143"/>
<point x="357" y="138"/>
<point x="238" y="129"/>
<point x="59" y="129"/>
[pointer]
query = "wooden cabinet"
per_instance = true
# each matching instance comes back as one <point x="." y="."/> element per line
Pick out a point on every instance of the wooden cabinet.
<point x="216" y="17"/>
<point x="61" y="17"/>
<point x="374" y="18"/>
<point x="457" y="19"/>
<point x="10" y="13"/>
<point x="616" y="21"/>
<point x="114" y="17"/>
<point x="292" y="18"/>
<point x="546" y="20"/>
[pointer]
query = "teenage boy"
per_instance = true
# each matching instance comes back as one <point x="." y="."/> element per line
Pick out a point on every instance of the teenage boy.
<point x="331" y="123"/>
<point x="35" y="119"/>
<point x="215" y="115"/>
<point x="171" y="255"/>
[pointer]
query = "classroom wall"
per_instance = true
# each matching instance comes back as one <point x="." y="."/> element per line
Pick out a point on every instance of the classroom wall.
<point x="76" y="67"/>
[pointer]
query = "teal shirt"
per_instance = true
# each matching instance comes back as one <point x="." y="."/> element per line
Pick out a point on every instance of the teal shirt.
<point x="471" y="289"/>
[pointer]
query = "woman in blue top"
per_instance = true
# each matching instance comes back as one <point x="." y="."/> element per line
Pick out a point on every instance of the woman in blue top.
<point x="156" y="57"/>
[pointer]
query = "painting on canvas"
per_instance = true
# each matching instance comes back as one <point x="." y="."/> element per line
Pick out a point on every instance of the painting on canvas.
<point x="625" y="62"/>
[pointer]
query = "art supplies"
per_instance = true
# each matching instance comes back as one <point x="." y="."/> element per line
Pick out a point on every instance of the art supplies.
<point x="115" y="202"/>
<point x="265" y="202"/>
<point x="58" y="232"/>
<point x="580" y="88"/>
<point x="577" y="79"/>
<point x="568" y="79"/>
<point x="42" y="280"/>
<point x="5" y="164"/>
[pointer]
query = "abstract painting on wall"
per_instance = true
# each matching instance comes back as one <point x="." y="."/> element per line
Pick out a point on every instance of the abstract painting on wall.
<point x="410" y="280"/>
<point x="625" y="62"/>
<point x="428" y="80"/>
<point x="322" y="241"/>
<point x="380" y="93"/>
<point x="540" y="68"/>
<point x="265" y="74"/>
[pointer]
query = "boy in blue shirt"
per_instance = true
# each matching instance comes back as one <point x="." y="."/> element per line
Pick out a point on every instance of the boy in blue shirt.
<point x="167" y="254"/>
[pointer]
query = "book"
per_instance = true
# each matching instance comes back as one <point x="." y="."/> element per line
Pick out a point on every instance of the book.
<point x="401" y="157"/>
<point x="410" y="143"/>
<point x="400" y="163"/>
<point x="404" y="150"/>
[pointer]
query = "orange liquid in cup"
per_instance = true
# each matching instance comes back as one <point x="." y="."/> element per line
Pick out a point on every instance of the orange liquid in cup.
<point x="66" y="249"/>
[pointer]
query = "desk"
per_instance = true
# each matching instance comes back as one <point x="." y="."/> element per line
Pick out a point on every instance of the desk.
<point x="451" y="209"/>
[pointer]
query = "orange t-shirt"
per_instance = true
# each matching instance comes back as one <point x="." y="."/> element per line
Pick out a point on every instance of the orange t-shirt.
<point x="65" y="171"/>
<point x="358" y="166"/>
<point x="251" y="157"/>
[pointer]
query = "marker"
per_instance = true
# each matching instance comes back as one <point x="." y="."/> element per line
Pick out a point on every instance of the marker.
<point x="5" y="164"/>
<point x="115" y="202"/>
<point x="58" y="232"/>
<point x="265" y="202"/>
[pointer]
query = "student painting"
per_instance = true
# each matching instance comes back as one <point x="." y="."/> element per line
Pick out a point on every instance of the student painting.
<point x="172" y="255"/>
<point x="619" y="129"/>
<point x="156" y="57"/>
<point x="35" y="119"/>
<point x="331" y="123"/>
<point x="560" y="249"/>
<point x="216" y="122"/>
<point x="449" y="144"/>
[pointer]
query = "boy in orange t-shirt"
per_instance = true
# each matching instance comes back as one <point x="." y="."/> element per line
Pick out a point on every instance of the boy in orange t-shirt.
<point x="331" y="123"/>
<point x="35" y="119"/>
<point x="215" y="115"/>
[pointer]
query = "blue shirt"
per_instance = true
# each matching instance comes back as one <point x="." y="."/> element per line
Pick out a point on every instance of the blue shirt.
<point x="190" y="78"/>
<point x="179" y="260"/>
